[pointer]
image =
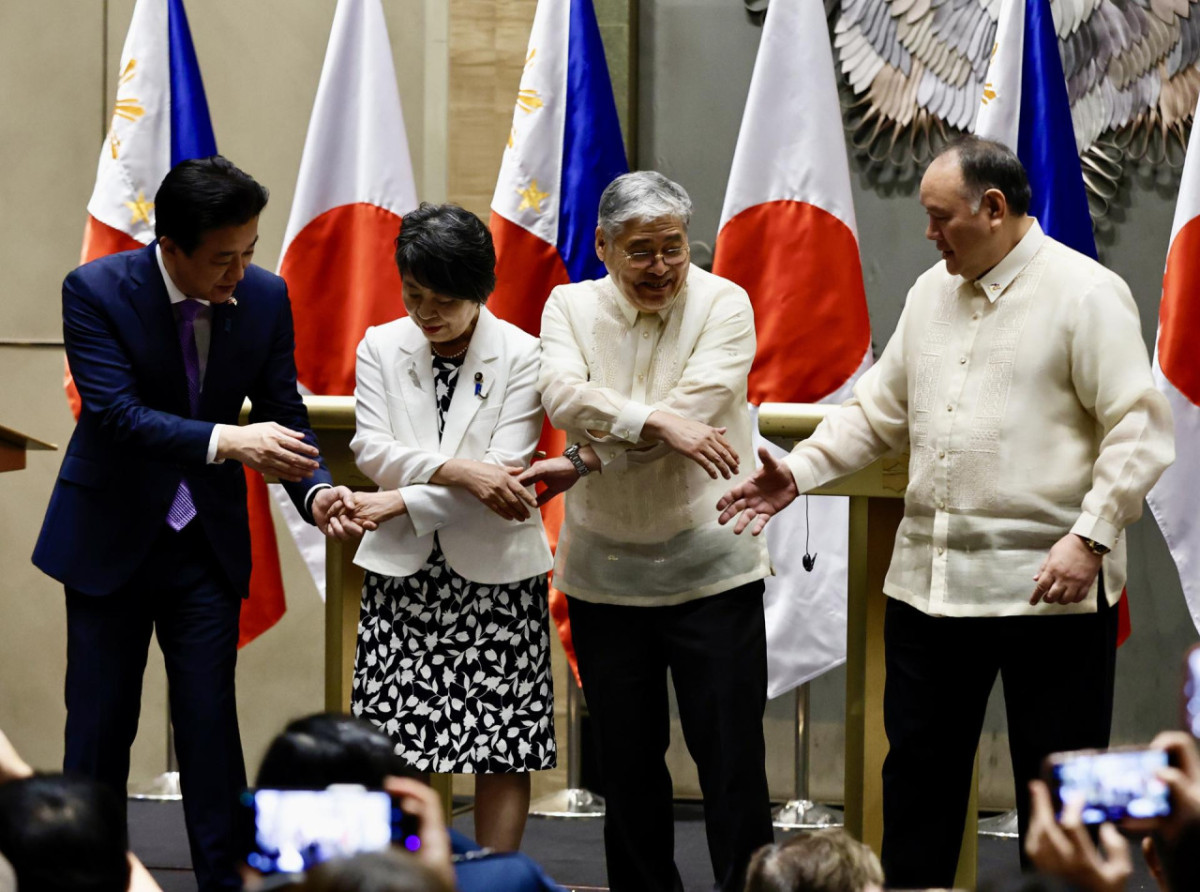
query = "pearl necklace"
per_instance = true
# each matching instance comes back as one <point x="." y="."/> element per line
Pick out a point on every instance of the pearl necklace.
<point x="450" y="355"/>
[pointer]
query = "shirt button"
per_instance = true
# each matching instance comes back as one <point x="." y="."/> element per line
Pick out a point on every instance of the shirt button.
<point x="962" y="360"/>
<point x="645" y="334"/>
<point x="942" y="454"/>
<point x="975" y="315"/>
<point x="941" y="504"/>
<point x="949" y="407"/>
<point x="641" y="377"/>
<point x="941" y="550"/>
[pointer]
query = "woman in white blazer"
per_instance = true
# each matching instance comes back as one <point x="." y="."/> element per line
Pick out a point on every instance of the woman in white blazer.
<point x="453" y="656"/>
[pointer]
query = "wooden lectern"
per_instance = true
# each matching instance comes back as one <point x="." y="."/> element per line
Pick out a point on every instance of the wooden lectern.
<point x="14" y="445"/>
<point x="876" y="496"/>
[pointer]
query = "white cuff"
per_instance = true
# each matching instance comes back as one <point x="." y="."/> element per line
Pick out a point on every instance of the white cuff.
<point x="1099" y="530"/>
<point x="212" y="445"/>
<point x="630" y="421"/>
<point x="312" y="494"/>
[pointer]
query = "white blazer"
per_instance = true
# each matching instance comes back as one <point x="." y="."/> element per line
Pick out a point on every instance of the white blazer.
<point x="396" y="444"/>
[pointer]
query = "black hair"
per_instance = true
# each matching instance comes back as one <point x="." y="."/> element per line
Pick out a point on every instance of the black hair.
<point x="448" y="250"/>
<point x="64" y="834"/>
<point x="203" y="194"/>
<point x="318" y="750"/>
<point x="987" y="164"/>
<point x="374" y="872"/>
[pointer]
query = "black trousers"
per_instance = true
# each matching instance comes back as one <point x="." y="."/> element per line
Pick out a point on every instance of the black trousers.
<point x="181" y="595"/>
<point x="716" y="650"/>
<point x="1057" y="673"/>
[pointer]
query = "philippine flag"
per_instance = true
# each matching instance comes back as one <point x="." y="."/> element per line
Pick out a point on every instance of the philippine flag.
<point x="355" y="184"/>
<point x="1177" y="371"/>
<point x="160" y="118"/>
<point x="1025" y="107"/>
<point x="563" y="149"/>
<point x="788" y="236"/>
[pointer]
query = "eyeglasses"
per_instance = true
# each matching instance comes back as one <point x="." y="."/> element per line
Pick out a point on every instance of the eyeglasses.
<point x="676" y="255"/>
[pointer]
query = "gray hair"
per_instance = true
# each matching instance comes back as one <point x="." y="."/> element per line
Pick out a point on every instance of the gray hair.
<point x="641" y="195"/>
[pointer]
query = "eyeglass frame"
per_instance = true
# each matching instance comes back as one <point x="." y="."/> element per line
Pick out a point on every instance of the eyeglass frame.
<point x="685" y="248"/>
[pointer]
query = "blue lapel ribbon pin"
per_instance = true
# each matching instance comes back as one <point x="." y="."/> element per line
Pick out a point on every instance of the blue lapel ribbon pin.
<point x="479" y="384"/>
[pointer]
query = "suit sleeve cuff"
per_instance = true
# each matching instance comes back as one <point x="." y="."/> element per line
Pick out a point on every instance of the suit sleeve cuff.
<point x="1090" y="526"/>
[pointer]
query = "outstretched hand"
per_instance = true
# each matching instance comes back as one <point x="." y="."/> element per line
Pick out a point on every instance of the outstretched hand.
<point x="767" y="492"/>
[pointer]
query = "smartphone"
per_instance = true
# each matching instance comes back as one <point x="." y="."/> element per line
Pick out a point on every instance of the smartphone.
<point x="1112" y="785"/>
<point x="290" y="831"/>
<point x="1191" y="691"/>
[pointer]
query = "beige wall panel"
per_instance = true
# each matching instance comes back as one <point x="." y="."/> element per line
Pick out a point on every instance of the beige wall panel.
<point x="50" y="55"/>
<point x="488" y="40"/>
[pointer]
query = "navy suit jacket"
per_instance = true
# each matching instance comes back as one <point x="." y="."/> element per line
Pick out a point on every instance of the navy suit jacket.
<point x="136" y="438"/>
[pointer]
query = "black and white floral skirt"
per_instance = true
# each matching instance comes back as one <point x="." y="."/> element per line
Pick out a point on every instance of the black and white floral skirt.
<point x="456" y="672"/>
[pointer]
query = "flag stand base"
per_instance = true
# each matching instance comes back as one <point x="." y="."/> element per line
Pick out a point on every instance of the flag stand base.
<point x="568" y="803"/>
<point x="804" y="814"/>
<point x="164" y="788"/>
<point x="1001" y="826"/>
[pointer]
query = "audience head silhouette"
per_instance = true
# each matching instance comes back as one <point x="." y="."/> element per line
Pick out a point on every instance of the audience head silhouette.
<point x="821" y="861"/>
<point x="64" y="834"/>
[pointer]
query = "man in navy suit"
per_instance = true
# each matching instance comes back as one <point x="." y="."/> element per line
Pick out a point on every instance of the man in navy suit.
<point x="147" y="525"/>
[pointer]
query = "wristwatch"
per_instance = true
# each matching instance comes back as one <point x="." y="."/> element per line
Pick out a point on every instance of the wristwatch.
<point x="571" y="453"/>
<point x="1095" y="547"/>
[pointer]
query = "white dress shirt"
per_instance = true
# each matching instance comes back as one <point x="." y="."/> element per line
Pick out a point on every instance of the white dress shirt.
<point x="1026" y="401"/>
<point x="643" y="531"/>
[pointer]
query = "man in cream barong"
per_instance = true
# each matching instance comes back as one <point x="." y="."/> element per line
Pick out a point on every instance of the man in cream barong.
<point x="646" y="372"/>
<point x="1019" y="381"/>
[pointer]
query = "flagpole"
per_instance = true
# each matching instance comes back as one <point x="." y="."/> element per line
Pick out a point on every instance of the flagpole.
<point x="800" y="812"/>
<point x="574" y="801"/>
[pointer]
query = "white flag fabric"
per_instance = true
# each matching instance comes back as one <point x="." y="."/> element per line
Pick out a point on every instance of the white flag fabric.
<point x="999" y="114"/>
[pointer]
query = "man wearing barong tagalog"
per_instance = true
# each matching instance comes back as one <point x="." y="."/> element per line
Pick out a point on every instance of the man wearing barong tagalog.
<point x="646" y="371"/>
<point x="1018" y="379"/>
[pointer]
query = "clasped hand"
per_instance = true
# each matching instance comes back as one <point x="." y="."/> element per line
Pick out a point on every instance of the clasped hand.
<point x="702" y="443"/>
<point x="497" y="487"/>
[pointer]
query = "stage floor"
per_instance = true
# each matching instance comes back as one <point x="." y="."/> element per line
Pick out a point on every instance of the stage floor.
<point x="571" y="852"/>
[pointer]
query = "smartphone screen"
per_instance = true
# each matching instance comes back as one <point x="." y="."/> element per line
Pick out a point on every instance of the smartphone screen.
<point x="1111" y="786"/>
<point x="293" y="830"/>
<point x="1191" y="692"/>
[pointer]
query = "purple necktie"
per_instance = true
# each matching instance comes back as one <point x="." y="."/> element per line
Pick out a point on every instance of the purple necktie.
<point x="183" y="509"/>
